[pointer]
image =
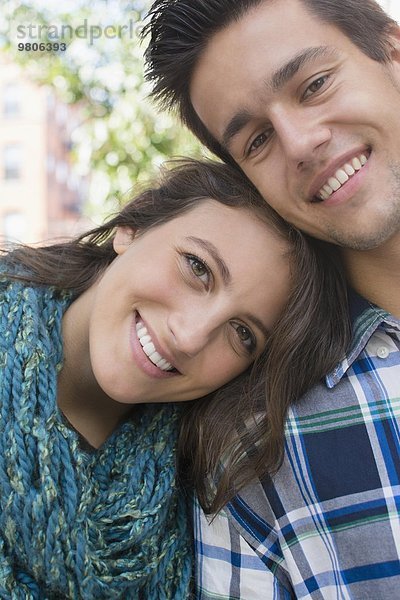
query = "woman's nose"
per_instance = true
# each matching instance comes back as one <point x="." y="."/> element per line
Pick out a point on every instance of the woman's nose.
<point x="194" y="329"/>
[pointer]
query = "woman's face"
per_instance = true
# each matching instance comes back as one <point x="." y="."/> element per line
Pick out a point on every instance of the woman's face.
<point x="186" y="306"/>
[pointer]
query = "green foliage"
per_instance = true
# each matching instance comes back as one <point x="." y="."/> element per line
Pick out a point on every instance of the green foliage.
<point x="122" y="137"/>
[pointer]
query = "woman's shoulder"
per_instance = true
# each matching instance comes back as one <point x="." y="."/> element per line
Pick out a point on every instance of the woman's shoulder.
<point x="18" y="283"/>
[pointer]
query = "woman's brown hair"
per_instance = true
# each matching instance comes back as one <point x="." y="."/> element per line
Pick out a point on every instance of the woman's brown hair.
<point x="309" y="339"/>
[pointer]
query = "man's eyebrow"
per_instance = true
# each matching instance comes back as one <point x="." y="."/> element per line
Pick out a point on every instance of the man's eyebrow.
<point x="213" y="252"/>
<point x="276" y="82"/>
<point x="235" y="126"/>
<point x="287" y="71"/>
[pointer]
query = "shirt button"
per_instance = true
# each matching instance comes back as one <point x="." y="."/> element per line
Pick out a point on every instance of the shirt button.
<point x="382" y="352"/>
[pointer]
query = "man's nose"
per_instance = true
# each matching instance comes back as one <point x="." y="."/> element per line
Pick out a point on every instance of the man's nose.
<point x="301" y="135"/>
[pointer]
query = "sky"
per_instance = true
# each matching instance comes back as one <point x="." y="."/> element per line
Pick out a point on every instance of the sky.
<point x="392" y="7"/>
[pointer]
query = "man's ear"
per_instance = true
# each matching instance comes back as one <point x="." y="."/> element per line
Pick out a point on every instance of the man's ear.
<point x="123" y="238"/>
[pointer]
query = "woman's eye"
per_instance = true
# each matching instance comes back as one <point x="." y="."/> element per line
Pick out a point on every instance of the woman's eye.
<point x="245" y="336"/>
<point x="199" y="268"/>
<point x="315" y="86"/>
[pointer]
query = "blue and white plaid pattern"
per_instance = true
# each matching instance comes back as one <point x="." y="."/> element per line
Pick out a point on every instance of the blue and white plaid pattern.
<point x="327" y="526"/>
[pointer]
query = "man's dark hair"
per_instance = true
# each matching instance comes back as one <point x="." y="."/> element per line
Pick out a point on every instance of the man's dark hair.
<point x="179" y="31"/>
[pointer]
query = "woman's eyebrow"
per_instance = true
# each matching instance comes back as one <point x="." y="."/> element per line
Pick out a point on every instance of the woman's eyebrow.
<point x="213" y="252"/>
<point x="256" y="321"/>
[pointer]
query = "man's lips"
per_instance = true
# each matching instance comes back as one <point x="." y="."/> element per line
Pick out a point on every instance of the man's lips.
<point x="337" y="174"/>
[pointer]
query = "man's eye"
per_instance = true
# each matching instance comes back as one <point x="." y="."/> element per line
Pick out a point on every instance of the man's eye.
<point x="245" y="336"/>
<point x="315" y="86"/>
<point x="258" y="142"/>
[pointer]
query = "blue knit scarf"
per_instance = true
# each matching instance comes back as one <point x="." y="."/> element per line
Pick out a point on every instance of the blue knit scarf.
<point x="76" y="523"/>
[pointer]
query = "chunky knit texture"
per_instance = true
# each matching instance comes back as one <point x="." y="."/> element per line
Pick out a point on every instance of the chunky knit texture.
<point x="74" y="523"/>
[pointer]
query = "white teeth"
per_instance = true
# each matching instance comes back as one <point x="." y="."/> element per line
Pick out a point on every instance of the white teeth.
<point x="349" y="169"/>
<point x="141" y="331"/>
<point x="341" y="176"/>
<point x="158" y="360"/>
<point x="150" y="350"/>
<point x="334" y="183"/>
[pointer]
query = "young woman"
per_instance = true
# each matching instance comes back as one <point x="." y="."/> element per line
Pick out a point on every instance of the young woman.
<point x="101" y="339"/>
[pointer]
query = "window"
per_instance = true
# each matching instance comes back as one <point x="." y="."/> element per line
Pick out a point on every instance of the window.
<point x="12" y="161"/>
<point x="11" y="97"/>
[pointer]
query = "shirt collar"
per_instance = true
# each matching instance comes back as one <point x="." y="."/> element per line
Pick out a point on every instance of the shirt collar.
<point x="365" y="319"/>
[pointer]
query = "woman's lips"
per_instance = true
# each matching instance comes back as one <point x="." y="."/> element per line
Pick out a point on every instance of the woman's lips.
<point x="146" y="341"/>
<point x="140" y="357"/>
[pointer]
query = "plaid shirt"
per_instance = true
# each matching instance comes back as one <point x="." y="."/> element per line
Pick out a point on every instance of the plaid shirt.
<point x="327" y="526"/>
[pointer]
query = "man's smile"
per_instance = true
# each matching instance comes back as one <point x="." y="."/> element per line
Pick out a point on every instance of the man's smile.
<point x="334" y="177"/>
<point x="341" y="176"/>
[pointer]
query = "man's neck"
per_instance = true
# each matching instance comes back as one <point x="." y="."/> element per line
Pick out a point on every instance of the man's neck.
<point x="375" y="274"/>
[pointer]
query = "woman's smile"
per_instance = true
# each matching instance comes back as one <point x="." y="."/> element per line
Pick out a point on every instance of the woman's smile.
<point x="146" y="352"/>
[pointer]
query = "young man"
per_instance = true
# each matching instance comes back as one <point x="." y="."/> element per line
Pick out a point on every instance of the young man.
<point x="304" y="96"/>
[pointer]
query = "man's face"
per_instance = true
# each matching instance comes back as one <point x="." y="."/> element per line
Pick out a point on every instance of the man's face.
<point x="311" y="120"/>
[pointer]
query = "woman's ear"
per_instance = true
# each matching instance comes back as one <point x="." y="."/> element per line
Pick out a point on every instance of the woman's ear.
<point x="394" y="34"/>
<point x="123" y="238"/>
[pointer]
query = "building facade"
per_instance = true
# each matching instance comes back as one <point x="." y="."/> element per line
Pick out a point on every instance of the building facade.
<point x="40" y="194"/>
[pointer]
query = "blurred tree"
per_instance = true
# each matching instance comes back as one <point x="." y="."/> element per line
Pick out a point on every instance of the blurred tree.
<point x="122" y="138"/>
